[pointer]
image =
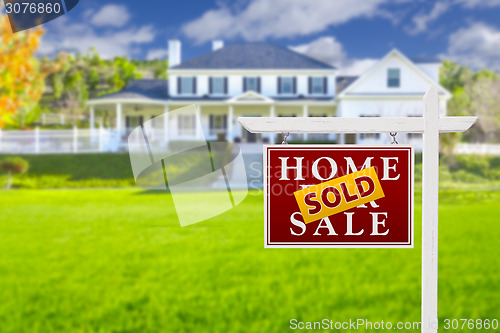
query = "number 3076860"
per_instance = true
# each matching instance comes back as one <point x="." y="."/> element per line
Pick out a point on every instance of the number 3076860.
<point x="32" y="8"/>
<point x="472" y="324"/>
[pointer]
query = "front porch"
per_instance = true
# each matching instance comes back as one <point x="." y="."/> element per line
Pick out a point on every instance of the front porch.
<point x="218" y="119"/>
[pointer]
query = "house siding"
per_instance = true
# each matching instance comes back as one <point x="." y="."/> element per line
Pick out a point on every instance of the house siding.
<point x="268" y="83"/>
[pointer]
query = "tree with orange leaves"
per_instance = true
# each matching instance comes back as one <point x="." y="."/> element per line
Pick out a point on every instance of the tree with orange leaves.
<point x="21" y="78"/>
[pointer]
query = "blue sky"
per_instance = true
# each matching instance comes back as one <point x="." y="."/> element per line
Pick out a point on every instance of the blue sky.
<point x="349" y="34"/>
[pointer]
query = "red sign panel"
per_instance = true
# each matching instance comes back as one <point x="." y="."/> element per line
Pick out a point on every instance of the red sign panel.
<point x="338" y="196"/>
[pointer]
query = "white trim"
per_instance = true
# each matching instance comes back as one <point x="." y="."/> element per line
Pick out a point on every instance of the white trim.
<point x="253" y="94"/>
<point x="351" y="125"/>
<point x="223" y="102"/>
<point x="292" y="71"/>
<point x="305" y="245"/>
<point x="104" y="101"/>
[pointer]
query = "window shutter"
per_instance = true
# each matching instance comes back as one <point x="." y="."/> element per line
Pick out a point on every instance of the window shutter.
<point x="141" y="120"/>
<point x="225" y="86"/>
<point x="178" y="85"/>
<point x="294" y="85"/>
<point x="258" y="85"/>
<point x="224" y="122"/>
<point x="211" y="121"/>
<point x="210" y="85"/>
<point x="194" y="85"/>
<point x="127" y="122"/>
<point x="244" y="84"/>
<point x="310" y="85"/>
<point x="279" y="84"/>
<point x="325" y="85"/>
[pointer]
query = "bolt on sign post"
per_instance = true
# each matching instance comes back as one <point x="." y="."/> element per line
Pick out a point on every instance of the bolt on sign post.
<point x="354" y="196"/>
<point x="338" y="196"/>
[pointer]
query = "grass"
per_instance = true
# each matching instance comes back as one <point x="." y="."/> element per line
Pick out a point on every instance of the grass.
<point x="76" y="171"/>
<point x="113" y="170"/>
<point x="117" y="261"/>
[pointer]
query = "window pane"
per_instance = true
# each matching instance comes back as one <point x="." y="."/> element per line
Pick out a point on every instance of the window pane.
<point x="317" y="85"/>
<point x="286" y="85"/>
<point x="187" y="85"/>
<point x="218" y="85"/>
<point x="251" y="83"/>
<point x="393" y="77"/>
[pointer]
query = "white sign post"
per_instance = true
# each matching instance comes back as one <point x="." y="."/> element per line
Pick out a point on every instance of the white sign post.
<point x="431" y="124"/>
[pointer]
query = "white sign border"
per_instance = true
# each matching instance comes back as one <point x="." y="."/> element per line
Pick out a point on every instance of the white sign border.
<point x="343" y="245"/>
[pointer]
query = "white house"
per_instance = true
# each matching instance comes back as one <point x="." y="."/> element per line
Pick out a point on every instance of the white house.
<point x="263" y="79"/>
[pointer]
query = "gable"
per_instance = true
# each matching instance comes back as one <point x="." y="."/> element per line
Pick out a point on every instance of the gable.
<point x="251" y="97"/>
<point x="413" y="80"/>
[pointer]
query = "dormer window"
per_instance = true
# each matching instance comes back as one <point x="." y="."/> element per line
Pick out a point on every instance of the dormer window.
<point x="287" y="85"/>
<point x="393" y="78"/>
<point x="218" y="85"/>
<point x="186" y="85"/>
<point x="251" y="83"/>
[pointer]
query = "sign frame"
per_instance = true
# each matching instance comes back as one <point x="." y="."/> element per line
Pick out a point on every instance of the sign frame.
<point x="339" y="245"/>
<point x="430" y="124"/>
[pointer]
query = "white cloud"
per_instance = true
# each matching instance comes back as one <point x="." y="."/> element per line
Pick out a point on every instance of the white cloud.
<point x="356" y="67"/>
<point x="421" y="21"/>
<point x="111" y="16"/>
<point x="331" y="51"/>
<point x="326" y="49"/>
<point x="157" y="54"/>
<point x="478" y="3"/>
<point x="278" y="18"/>
<point x="65" y="35"/>
<point x="476" y="45"/>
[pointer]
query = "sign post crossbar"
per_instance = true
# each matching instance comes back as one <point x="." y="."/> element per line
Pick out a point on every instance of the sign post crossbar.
<point x="431" y="124"/>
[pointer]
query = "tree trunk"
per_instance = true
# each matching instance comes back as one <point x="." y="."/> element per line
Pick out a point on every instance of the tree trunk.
<point x="9" y="181"/>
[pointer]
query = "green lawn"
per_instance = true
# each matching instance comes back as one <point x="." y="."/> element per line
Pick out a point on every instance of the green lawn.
<point x="117" y="261"/>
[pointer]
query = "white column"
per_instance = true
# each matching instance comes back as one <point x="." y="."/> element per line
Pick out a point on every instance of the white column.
<point x="230" y="116"/>
<point x="37" y="140"/>
<point x="430" y="195"/>
<point x="272" y="113"/>
<point x="305" y="113"/>
<point x="92" y="119"/>
<point x="199" y="128"/>
<point x="101" y="135"/>
<point x="61" y="119"/>
<point x="118" y="117"/>
<point x="166" y="126"/>
<point x="75" y="139"/>
<point x="341" y="137"/>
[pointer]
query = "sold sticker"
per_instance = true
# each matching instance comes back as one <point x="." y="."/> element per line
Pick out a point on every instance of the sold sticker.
<point x="338" y="194"/>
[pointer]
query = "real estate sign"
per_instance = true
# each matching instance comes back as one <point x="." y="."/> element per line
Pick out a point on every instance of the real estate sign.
<point x="338" y="196"/>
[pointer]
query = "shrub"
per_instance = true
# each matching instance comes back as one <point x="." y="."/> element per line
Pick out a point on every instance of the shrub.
<point x="13" y="165"/>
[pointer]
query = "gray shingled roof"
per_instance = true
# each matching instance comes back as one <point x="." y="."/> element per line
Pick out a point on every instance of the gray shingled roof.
<point x="344" y="82"/>
<point x="253" y="55"/>
<point x="426" y="60"/>
<point x="142" y="89"/>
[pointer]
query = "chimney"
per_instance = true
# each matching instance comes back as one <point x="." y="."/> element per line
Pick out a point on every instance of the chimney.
<point x="174" y="52"/>
<point x="217" y="44"/>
